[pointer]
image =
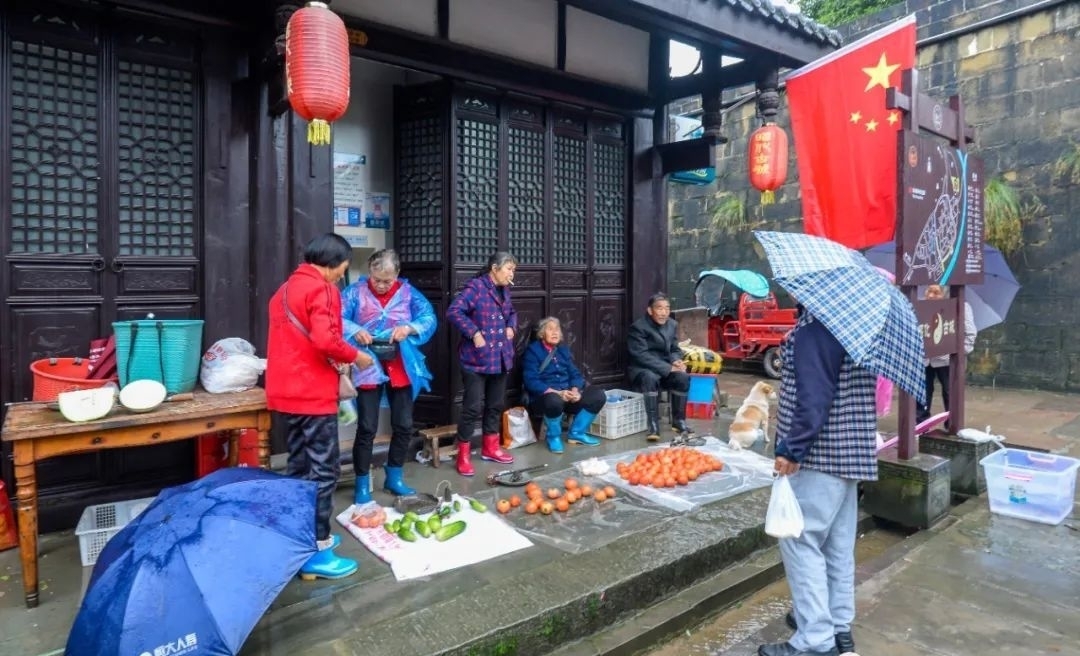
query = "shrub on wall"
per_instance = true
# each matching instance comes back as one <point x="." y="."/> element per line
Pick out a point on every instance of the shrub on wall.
<point x="838" y="12"/>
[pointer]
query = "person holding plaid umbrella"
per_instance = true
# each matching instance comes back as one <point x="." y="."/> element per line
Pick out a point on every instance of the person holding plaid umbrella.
<point x="826" y="421"/>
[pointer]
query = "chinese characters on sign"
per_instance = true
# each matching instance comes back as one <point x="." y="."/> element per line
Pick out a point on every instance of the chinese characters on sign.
<point x="348" y="189"/>
<point x="938" y="324"/>
<point x="941" y="207"/>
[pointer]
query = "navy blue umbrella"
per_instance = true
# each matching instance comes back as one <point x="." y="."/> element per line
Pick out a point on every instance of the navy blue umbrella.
<point x="197" y="569"/>
<point x="989" y="301"/>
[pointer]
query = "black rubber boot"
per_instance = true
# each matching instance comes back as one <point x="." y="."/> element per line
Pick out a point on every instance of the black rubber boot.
<point x="652" y="416"/>
<point x="678" y="414"/>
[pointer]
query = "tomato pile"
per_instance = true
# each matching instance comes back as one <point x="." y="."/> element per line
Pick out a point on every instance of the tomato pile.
<point x="554" y="499"/>
<point x="668" y="467"/>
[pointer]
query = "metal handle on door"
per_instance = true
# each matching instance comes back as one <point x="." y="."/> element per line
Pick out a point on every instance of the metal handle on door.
<point x="97" y="264"/>
<point x="117" y="266"/>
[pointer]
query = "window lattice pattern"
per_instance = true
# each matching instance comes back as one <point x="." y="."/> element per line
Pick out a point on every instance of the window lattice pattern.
<point x="419" y="220"/>
<point x="54" y="150"/>
<point x="609" y="203"/>
<point x="477" y="190"/>
<point x="526" y="195"/>
<point x="569" y="200"/>
<point x="156" y="161"/>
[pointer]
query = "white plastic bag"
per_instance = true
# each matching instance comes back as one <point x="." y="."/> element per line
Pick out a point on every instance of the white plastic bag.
<point x="784" y="518"/>
<point x="230" y="365"/>
<point x="347" y="413"/>
<point x="517" y="429"/>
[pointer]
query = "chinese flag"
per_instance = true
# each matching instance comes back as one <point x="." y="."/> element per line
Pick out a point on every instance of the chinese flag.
<point x="845" y="139"/>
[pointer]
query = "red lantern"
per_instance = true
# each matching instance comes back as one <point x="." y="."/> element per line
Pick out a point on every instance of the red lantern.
<point x="768" y="157"/>
<point x="317" y="68"/>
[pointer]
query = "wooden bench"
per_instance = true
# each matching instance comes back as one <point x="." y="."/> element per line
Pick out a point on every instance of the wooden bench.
<point x="432" y="436"/>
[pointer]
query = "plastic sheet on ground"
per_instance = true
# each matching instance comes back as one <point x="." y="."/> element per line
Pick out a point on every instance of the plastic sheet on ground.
<point x="743" y="471"/>
<point x="486" y="536"/>
<point x="587" y="525"/>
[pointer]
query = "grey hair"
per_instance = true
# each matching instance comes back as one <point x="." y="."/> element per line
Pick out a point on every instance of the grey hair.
<point x="384" y="261"/>
<point x="543" y="323"/>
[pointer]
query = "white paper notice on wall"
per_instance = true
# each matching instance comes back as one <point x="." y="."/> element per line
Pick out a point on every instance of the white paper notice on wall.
<point x="377" y="211"/>
<point x="349" y="194"/>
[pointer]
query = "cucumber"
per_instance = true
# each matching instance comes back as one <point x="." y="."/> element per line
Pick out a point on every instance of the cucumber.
<point x="445" y="511"/>
<point x="434" y="523"/>
<point x="450" y="530"/>
<point x="396" y="526"/>
<point x="389" y="527"/>
<point x="422" y="528"/>
<point x="457" y="506"/>
<point x="405" y="534"/>
<point x="477" y="506"/>
<point x="411" y="516"/>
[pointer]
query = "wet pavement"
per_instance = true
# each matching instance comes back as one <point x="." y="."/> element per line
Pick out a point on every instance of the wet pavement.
<point x="532" y="601"/>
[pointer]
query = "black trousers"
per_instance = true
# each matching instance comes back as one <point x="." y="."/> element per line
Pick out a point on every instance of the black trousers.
<point x="314" y="455"/>
<point x="401" y="425"/>
<point x="551" y="405"/>
<point x="483" y="403"/>
<point x="676" y="381"/>
<point x="934" y="374"/>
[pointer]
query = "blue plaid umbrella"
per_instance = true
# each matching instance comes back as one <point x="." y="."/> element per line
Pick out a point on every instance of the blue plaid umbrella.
<point x="870" y="318"/>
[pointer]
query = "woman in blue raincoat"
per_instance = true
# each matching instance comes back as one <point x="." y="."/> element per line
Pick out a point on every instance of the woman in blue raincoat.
<point x="390" y="319"/>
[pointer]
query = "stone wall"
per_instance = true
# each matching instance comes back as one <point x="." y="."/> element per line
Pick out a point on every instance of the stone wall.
<point x="1016" y="65"/>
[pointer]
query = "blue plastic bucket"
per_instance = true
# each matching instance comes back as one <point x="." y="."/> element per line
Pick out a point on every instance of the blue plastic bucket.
<point x="166" y="350"/>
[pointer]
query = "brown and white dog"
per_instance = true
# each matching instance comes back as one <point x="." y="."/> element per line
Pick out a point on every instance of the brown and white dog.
<point x="752" y="418"/>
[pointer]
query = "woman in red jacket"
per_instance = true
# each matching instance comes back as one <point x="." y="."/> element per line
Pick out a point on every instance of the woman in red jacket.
<point x="304" y="347"/>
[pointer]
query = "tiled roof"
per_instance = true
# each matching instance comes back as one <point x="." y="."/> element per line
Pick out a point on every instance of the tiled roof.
<point x="798" y="22"/>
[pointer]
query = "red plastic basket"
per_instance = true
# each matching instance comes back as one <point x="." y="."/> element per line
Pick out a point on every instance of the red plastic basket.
<point x="700" y="410"/>
<point x="55" y="375"/>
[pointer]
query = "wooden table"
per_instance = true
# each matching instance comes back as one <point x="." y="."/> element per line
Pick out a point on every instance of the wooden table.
<point x="37" y="432"/>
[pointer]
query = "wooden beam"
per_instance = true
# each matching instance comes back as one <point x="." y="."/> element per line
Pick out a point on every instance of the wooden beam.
<point x="731" y="76"/>
<point x="560" y="38"/>
<point x="392" y="46"/>
<point x="444" y="19"/>
<point x="736" y="31"/>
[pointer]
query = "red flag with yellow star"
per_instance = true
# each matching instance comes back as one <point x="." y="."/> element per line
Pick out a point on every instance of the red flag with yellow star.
<point x="845" y="138"/>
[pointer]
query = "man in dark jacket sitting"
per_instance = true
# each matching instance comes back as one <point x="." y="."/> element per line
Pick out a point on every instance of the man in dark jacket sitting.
<point x="656" y="362"/>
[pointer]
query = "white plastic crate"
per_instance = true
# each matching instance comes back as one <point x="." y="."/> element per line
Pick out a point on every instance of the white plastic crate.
<point x="1040" y="487"/>
<point x="99" y="523"/>
<point x="622" y="415"/>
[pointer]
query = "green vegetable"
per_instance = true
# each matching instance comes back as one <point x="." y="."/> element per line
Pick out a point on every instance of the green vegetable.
<point x="411" y="517"/>
<point x="477" y="506"/>
<point x="422" y="528"/>
<point x="396" y="526"/>
<point x="434" y="523"/>
<point x="406" y="534"/>
<point x="457" y="506"/>
<point x="450" y="530"/>
<point x="445" y="511"/>
<point x="389" y="527"/>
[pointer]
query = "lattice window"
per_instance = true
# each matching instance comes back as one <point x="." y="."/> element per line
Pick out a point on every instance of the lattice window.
<point x="156" y="161"/>
<point x="419" y="220"/>
<point x="54" y="150"/>
<point x="526" y="195"/>
<point x="477" y="190"/>
<point x="569" y="201"/>
<point x="609" y="203"/>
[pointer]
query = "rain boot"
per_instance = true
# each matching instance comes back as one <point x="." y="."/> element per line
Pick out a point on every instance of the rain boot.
<point x="652" y="416"/>
<point x="554" y="434"/>
<point x="490" y="450"/>
<point x="362" y="493"/>
<point x="581" y="423"/>
<point x="678" y="414"/>
<point x="464" y="464"/>
<point x="325" y="564"/>
<point x="395" y="482"/>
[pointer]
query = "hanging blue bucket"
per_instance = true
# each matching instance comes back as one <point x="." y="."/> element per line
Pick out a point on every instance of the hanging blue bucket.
<point x="168" y="351"/>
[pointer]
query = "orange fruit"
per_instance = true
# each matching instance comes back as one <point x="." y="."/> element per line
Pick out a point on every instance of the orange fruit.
<point x="571" y="483"/>
<point x="546" y="508"/>
<point x="586" y="491"/>
<point x="553" y="493"/>
<point x="532" y="507"/>
<point x="515" y="501"/>
<point x="682" y="479"/>
<point x="609" y="492"/>
<point x="503" y="506"/>
<point x="600" y="496"/>
<point x="562" y="505"/>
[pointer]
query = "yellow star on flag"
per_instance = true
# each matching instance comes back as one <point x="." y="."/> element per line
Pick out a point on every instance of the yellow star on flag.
<point x="871" y="125"/>
<point x="879" y="75"/>
<point x="893" y="118"/>
<point x="856" y="117"/>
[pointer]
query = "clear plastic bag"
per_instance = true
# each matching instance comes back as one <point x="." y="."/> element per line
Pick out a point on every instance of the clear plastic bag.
<point x="346" y="412"/>
<point x="784" y="518"/>
<point x="230" y="365"/>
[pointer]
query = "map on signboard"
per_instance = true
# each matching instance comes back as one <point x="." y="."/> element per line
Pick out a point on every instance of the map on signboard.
<point x="941" y="214"/>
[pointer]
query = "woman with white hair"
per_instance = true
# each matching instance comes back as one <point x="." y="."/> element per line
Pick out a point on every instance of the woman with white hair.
<point x="554" y="386"/>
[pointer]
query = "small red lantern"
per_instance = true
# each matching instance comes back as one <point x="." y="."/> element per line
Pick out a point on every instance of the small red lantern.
<point x="317" y="68"/>
<point x="768" y="157"/>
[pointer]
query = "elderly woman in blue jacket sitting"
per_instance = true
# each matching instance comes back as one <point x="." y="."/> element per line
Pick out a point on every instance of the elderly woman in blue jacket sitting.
<point x="554" y="386"/>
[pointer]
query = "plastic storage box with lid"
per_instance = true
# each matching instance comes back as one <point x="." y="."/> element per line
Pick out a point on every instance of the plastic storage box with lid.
<point x="98" y="524"/>
<point x="1040" y="487"/>
<point x="622" y="415"/>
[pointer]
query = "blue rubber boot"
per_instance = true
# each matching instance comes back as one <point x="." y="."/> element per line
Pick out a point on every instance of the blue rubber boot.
<point x="395" y="482"/>
<point x="554" y="434"/>
<point x="326" y="564"/>
<point x="581" y="424"/>
<point x="362" y="493"/>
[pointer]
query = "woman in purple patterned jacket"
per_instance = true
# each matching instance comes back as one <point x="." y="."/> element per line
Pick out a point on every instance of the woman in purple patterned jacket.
<point x="484" y="315"/>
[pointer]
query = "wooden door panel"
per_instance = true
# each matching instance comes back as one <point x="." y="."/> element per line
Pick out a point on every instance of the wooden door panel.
<point x="45" y="332"/>
<point x="607" y="338"/>
<point x="530" y="310"/>
<point x="571" y="313"/>
<point x="140" y="280"/>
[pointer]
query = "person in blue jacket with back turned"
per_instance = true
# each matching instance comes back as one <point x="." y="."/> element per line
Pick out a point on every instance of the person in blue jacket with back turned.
<point x="554" y="385"/>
